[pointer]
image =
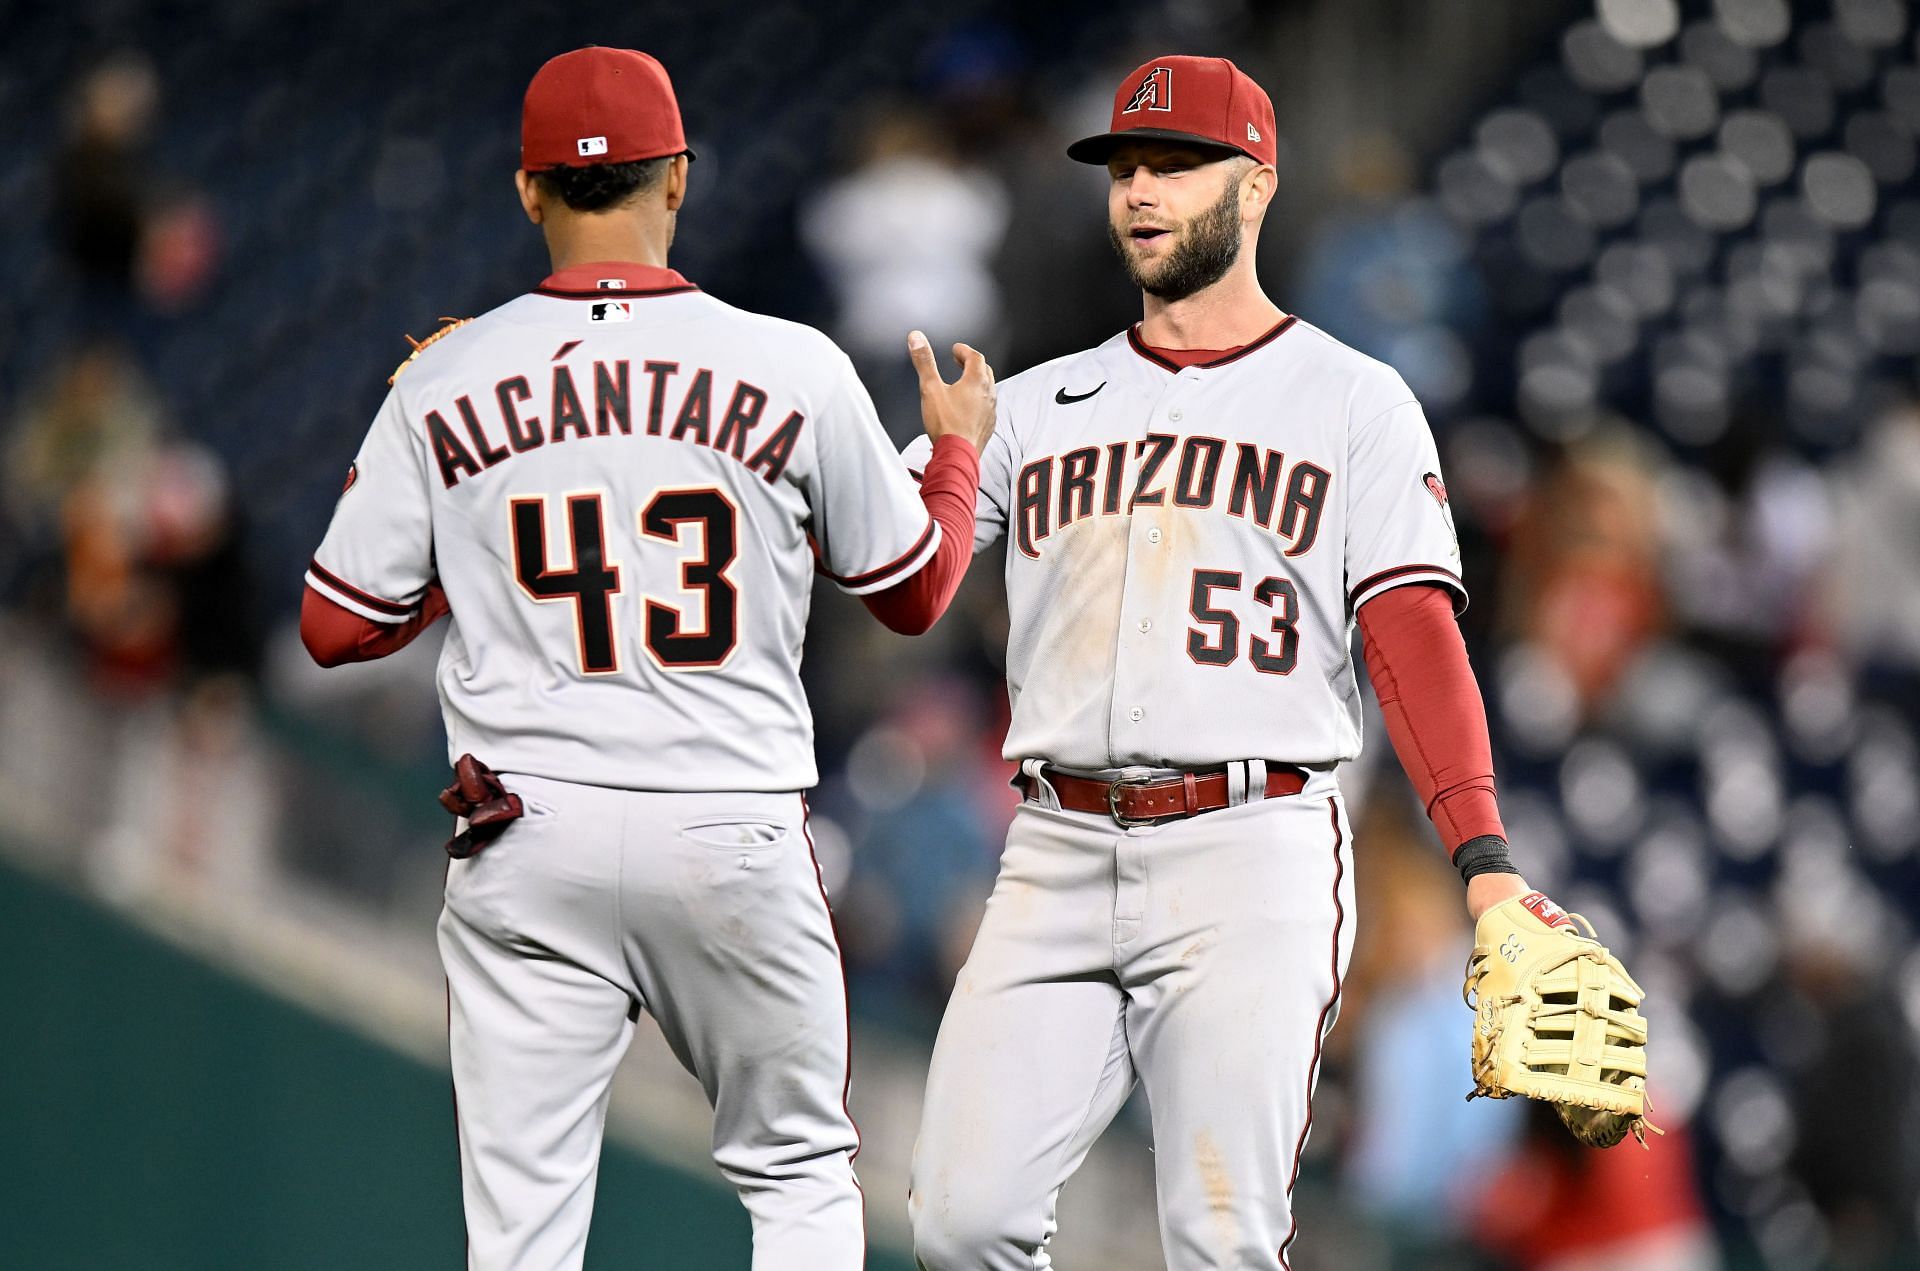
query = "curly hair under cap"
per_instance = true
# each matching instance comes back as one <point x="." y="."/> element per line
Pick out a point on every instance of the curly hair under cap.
<point x="599" y="186"/>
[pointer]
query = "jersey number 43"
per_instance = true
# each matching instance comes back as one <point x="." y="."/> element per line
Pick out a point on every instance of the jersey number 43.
<point x="674" y="640"/>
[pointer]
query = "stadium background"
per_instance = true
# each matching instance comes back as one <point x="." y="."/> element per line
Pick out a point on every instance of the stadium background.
<point x="1653" y="267"/>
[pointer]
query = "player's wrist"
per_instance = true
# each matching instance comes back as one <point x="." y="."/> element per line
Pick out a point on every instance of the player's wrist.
<point x="1482" y="855"/>
<point x="1489" y="890"/>
<point x="947" y="441"/>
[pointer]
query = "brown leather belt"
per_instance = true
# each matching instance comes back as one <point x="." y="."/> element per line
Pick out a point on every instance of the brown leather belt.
<point x="1146" y="800"/>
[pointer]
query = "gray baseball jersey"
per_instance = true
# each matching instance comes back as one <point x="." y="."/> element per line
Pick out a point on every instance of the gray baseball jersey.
<point x="616" y="487"/>
<point x="615" y="479"/>
<point x="1187" y="547"/>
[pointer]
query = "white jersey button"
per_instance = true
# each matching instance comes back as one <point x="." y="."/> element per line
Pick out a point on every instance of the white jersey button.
<point x="1146" y="624"/>
<point x="1176" y="415"/>
<point x="1136" y="714"/>
<point x="1153" y="535"/>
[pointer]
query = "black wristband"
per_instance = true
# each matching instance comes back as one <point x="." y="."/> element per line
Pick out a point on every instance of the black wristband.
<point x="1484" y="855"/>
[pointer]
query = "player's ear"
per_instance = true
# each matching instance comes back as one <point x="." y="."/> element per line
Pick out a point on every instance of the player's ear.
<point x="529" y="190"/>
<point x="677" y="172"/>
<point x="1257" y="186"/>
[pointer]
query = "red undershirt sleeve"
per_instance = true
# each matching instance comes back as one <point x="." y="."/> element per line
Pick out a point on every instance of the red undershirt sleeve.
<point x="1434" y="714"/>
<point x="949" y="487"/>
<point x="336" y="636"/>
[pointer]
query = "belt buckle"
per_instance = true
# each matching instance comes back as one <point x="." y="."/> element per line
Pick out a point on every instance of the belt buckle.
<point x="1120" y="819"/>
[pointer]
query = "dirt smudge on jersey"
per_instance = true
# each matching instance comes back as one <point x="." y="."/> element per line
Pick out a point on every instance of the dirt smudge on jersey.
<point x="1073" y="628"/>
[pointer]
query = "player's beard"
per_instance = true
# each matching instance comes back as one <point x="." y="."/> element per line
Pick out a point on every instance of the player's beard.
<point x="1207" y="247"/>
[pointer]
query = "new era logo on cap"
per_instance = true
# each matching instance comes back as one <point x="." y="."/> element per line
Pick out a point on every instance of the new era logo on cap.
<point x="1253" y="134"/>
<point x="592" y="145"/>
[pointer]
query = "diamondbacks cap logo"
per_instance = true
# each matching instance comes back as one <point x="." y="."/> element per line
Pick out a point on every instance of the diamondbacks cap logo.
<point x="592" y="146"/>
<point x="612" y="311"/>
<point x="1155" y="92"/>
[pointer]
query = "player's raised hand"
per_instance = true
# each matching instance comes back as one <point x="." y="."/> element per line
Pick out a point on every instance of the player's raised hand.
<point x="964" y="408"/>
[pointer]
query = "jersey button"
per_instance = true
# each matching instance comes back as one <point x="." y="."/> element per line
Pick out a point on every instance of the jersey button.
<point x="1176" y="415"/>
<point x="1153" y="535"/>
<point x="1136" y="714"/>
<point x="1146" y="624"/>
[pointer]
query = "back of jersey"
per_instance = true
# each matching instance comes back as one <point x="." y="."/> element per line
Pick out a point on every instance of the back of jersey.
<point x="615" y="479"/>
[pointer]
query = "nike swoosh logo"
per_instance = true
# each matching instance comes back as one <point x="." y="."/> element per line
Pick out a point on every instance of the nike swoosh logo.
<point x="1067" y="399"/>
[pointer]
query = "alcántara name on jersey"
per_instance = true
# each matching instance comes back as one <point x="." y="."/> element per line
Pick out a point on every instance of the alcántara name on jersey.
<point x="681" y="407"/>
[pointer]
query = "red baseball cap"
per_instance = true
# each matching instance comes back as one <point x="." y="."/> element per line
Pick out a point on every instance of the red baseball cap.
<point x="599" y="105"/>
<point x="1207" y="100"/>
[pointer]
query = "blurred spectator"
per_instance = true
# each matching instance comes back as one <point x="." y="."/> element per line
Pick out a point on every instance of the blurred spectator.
<point x="927" y="856"/>
<point x="157" y="584"/>
<point x="1416" y="1142"/>
<point x="102" y="178"/>
<point x="131" y="238"/>
<point x="1387" y="272"/>
<point x="1850" y="1068"/>
<point x="906" y="240"/>
<point x="1561" y="1206"/>
<point x="95" y="414"/>
<point x="1582" y="582"/>
<point x="1876" y="601"/>
<point x="1745" y="544"/>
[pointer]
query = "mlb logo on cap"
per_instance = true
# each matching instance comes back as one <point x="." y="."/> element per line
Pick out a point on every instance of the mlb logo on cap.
<point x="592" y="145"/>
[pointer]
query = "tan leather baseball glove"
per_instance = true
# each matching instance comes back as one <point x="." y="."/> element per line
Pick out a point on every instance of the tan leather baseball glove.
<point x="1556" y="1017"/>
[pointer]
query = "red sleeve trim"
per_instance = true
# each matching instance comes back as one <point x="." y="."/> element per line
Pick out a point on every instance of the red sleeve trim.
<point x="335" y="635"/>
<point x="346" y="588"/>
<point x="1388" y="575"/>
<point x="888" y="570"/>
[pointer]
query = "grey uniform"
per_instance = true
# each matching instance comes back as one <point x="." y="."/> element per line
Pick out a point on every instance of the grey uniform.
<point x="1186" y="550"/>
<point x="616" y="485"/>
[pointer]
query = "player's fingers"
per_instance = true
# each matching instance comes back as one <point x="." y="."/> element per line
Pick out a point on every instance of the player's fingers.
<point x="973" y="366"/>
<point x="923" y="362"/>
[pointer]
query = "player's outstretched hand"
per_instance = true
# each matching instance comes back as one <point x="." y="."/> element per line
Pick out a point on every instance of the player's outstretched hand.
<point x="963" y="408"/>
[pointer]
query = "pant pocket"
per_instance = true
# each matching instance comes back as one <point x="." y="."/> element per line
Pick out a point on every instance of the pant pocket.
<point x="736" y="832"/>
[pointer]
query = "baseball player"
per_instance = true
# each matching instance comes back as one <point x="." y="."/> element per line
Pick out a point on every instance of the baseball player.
<point x="1196" y="513"/>
<point x="618" y="486"/>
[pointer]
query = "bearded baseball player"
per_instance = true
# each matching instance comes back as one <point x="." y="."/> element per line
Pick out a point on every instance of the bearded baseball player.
<point x="619" y="486"/>
<point x="1197" y="512"/>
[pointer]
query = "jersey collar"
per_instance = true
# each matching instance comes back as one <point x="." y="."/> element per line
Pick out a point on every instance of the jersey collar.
<point x="595" y="280"/>
<point x="1144" y="350"/>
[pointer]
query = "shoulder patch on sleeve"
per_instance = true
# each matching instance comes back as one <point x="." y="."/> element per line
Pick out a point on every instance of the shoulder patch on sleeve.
<point x="1438" y="489"/>
<point x="419" y="346"/>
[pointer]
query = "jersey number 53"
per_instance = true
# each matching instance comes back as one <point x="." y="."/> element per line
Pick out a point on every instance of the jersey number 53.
<point x="674" y="640"/>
